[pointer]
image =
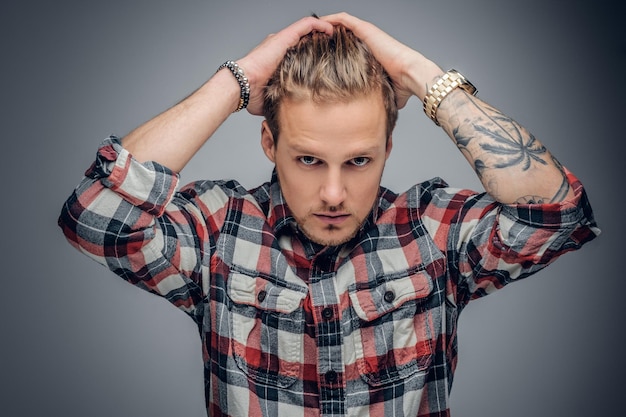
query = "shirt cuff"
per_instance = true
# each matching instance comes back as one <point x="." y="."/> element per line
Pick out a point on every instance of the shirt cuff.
<point x="569" y="223"/>
<point x="149" y="186"/>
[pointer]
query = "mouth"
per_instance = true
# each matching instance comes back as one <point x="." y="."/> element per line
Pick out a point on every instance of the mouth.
<point x="332" y="218"/>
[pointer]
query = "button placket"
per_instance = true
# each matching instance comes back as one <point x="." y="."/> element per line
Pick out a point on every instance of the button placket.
<point x="327" y="313"/>
<point x="329" y="338"/>
<point x="331" y="376"/>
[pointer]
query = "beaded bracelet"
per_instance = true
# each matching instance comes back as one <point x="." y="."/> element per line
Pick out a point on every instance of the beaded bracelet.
<point x="244" y="85"/>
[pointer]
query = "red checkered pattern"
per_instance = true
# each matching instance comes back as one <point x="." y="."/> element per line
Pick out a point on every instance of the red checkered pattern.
<point x="295" y="329"/>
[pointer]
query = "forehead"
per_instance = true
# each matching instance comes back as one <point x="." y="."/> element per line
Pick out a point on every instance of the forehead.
<point x="304" y="122"/>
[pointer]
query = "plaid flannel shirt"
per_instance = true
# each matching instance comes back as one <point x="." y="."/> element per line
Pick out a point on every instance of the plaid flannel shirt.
<point x="290" y="328"/>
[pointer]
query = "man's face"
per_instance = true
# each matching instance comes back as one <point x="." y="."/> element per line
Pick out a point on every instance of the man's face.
<point x="330" y="159"/>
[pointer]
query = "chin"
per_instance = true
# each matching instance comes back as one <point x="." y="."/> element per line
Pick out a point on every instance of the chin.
<point x="330" y="237"/>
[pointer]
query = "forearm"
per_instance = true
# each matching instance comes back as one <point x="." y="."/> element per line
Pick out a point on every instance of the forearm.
<point x="173" y="137"/>
<point x="118" y="215"/>
<point x="513" y="166"/>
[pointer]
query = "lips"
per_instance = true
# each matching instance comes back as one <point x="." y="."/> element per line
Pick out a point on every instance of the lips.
<point x="332" y="218"/>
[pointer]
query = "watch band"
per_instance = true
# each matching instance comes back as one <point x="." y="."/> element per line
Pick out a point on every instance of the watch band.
<point x="441" y="88"/>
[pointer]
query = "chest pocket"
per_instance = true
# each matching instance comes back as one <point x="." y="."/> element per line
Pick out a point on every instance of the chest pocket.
<point x="393" y="328"/>
<point x="267" y="329"/>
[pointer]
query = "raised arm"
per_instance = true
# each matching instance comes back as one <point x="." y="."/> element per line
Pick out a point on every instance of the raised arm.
<point x="513" y="166"/>
<point x="174" y="136"/>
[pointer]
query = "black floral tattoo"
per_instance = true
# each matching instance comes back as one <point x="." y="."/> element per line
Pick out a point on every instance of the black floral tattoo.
<point x="479" y="168"/>
<point x="516" y="149"/>
<point x="564" y="187"/>
<point x="493" y="141"/>
<point x="532" y="199"/>
<point x="509" y="142"/>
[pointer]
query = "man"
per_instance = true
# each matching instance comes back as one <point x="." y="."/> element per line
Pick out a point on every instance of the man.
<point x="320" y="292"/>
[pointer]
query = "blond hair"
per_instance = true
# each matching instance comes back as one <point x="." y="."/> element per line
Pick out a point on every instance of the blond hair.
<point x="328" y="68"/>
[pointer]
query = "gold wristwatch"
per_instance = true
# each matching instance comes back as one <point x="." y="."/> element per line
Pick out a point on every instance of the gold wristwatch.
<point x="441" y="88"/>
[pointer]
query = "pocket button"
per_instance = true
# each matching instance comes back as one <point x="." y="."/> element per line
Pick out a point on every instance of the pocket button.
<point x="261" y="296"/>
<point x="389" y="296"/>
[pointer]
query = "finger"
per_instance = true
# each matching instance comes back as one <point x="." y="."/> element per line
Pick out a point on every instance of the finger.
<point x="275" y="45"/>
<point x="307" y="25"/>
<point x="289" y="36"/>
<point x="341" y="18"/>
<point x="378" y="40"/>
<point x="360" y="27"/>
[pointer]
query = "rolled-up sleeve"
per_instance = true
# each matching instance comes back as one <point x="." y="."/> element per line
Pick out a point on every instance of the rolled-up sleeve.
<point x="540" y="232"/>
<point x="128" y="216"/>
<point x="490" y="244"/>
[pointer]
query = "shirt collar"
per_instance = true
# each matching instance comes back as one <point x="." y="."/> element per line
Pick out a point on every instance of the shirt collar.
<point x="279" y="215"/>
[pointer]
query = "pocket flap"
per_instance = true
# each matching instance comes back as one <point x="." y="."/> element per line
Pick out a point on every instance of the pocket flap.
<point x="263" y="294"/>
<point x="373" y="302"/>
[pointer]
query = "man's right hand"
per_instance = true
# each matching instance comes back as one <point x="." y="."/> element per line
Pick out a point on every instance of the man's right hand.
<point x="173" y="137"/>
<point x="261" y="62"/>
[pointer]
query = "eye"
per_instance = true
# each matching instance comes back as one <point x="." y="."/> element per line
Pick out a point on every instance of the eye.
<point x="308" y="160"/>
<point x="359" y="161"/>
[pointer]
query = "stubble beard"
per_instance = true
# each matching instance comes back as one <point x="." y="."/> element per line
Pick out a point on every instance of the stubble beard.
<point x="302" y="225"/>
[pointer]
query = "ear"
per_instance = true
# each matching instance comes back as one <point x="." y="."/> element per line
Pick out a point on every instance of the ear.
<point x="389" y="146"/>
<point x="267" y="142"/>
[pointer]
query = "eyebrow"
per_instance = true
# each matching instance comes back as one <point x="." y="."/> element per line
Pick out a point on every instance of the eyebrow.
<point x="359" y="152"/>
<point x="364" y="152"/>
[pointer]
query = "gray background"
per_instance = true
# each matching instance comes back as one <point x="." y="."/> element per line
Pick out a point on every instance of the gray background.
<point x="78" y="341"/>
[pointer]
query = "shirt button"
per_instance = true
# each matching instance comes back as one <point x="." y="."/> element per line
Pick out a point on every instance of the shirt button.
<point x="261" y="296"/>
<point x="389" y="296"/>
<point x="331" y="376"/>
<point x="327" y="313"/>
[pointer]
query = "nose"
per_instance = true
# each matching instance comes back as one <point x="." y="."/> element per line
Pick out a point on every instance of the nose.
<point x="333" y="189"/>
